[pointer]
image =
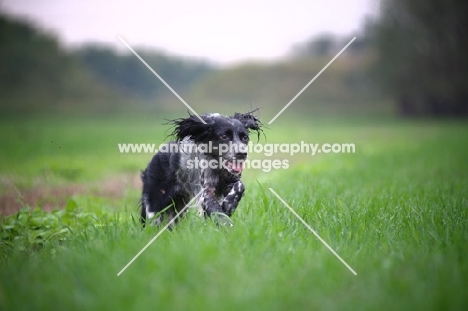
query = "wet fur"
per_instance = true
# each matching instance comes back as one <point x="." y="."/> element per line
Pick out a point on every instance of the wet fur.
<point x="168" y="181"/>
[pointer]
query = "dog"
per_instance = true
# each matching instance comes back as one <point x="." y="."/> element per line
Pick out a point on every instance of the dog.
<point x="205" y="160"/>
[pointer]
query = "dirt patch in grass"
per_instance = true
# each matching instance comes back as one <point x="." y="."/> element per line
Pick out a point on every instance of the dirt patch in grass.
<point x="48" y="198"/>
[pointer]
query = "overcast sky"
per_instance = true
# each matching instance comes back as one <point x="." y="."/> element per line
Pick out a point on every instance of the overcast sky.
<point x="224" y="32"/>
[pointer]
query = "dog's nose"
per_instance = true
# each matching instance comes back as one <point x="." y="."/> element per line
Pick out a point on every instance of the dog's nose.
<point x="241" y="155"/>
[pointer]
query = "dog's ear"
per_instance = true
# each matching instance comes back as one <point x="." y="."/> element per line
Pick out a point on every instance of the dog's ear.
<point x="193" y="127"/>
<point x="249" y="121"/>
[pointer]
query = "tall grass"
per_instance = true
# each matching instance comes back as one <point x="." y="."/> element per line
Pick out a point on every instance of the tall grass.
<point x="395" y="211"/>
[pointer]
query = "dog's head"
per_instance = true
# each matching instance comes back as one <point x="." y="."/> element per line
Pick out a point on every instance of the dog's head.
<point x="224" y="137"/>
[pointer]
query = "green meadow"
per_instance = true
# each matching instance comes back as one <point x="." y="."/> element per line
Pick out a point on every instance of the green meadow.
<point x="396" y="211"/>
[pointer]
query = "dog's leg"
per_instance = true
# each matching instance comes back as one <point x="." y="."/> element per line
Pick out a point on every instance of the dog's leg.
<point x="233" y="198"/>
<point x="209" y="203"/>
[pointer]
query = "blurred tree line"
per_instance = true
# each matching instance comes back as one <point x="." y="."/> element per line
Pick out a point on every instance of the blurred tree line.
<point x="409" y="59"/>
<point x="130" y="76"/>
<point x="37" y="75"/>
<point x="344" y="88"/>
<point x="423" y="63"/>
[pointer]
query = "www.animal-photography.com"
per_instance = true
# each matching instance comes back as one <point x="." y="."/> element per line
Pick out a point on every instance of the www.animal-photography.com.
<point x="236" y="155"/>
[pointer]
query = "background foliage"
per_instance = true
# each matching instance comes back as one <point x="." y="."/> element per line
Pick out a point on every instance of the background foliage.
<point x="423" y="64"/>
<point x="410" y="60"/>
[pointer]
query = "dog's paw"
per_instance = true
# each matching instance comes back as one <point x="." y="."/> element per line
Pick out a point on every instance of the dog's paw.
<point x="221" y="219"/>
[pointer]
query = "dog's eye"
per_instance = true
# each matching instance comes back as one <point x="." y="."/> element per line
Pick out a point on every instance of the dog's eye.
<point x="223" y="137"/>
<point x="245" y="138"/>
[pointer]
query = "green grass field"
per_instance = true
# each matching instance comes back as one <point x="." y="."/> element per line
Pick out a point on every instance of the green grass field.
<point x="396" y="211"/>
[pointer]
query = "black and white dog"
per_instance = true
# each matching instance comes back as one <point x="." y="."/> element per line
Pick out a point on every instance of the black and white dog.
<point x="206" y="159"/>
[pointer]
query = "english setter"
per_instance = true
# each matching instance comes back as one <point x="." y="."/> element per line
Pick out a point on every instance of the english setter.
<point x="205" y="159"/>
